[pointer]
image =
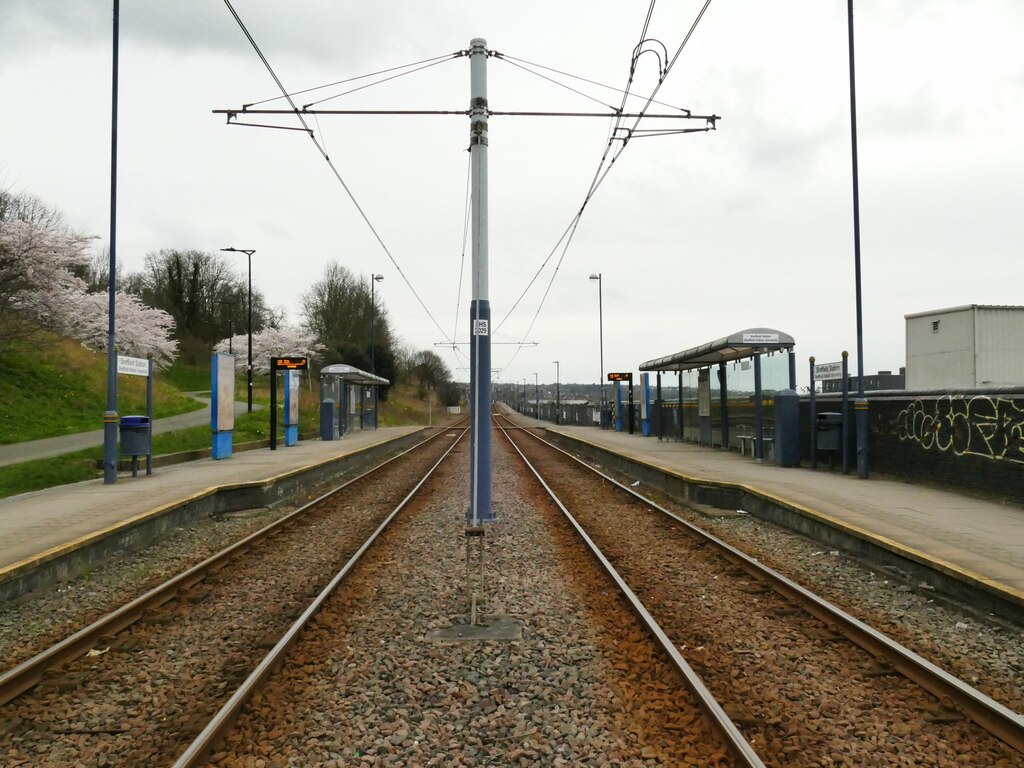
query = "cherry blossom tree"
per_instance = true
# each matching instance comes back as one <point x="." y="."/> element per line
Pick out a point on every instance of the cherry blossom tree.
<point x="271" y="342"/>
<point x="37" y="284"/>
<point x="140" y="330"/>
<point x="39" y="290"/>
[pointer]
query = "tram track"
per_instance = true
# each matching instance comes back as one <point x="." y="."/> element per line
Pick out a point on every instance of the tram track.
<point x="789" y="638"/>
<point x="139" y="682"/>
<point x="371" y="679"/>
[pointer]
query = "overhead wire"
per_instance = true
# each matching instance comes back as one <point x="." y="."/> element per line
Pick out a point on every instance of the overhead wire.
<point x="602" y="171"/>
<point x="376" y="82"/>
<point x="520" y="62"/>
<point x="357" y="77"/>
<point x="465" y="238"/>
<point x="337" y="174"/>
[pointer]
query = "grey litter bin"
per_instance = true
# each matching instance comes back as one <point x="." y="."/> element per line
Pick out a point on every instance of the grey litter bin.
<point x="137" y="440"/>
<point x="830" y="431"/>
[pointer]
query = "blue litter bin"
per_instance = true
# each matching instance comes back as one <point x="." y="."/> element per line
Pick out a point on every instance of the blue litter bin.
<point x="137" y="440"/>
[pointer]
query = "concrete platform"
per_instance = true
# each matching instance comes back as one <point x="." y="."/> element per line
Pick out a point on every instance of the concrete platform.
<point x="977" y="542"/>
<point x="46" y="526"/>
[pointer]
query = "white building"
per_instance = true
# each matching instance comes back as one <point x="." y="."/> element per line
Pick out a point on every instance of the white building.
<point x="976" y="345"/>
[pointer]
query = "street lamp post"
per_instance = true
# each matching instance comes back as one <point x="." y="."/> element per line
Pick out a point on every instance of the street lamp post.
<point x="860" y="405"/>
<point x="231" y="323"/>
<point x="374" y="279"/>
<point x="536" y="396"/>
<point x="558" y="394"/>
<point x="248" y="252"/>
<point x="600" y="325"/>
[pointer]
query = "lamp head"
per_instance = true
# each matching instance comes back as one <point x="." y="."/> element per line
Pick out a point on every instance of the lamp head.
<point x="595" y="277"/>
<point x="377" y="278"/>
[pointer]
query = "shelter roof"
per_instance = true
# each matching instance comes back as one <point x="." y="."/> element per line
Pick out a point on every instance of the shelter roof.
<point x="736" y="346"/>
<point x="352" y="374"/>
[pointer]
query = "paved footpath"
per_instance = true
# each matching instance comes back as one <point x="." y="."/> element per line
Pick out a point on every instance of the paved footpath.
<point x="55" y="446"/>
<point x="981" y="538"/>
<point x="34" y="523"/>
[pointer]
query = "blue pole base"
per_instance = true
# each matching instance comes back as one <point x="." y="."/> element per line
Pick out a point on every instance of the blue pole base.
<point x="221" y="445"/>
<point x="291" y="435"/>
<point x="645" y="427"/>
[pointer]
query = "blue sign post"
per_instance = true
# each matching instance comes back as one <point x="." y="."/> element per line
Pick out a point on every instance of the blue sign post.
<point x="222" y="404"/>
<point x="291" y="408"/>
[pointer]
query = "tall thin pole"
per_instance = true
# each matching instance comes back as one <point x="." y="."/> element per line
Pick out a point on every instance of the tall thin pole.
<point x="374" y="279"/>
<point x="558" y="392"/>
<point x="536" y="396"/>
<point x="480" y="306"/>
<point x="860" y="406"/>
<point x="110" y="415"/>
<point x="373" y="303"/>
<point x="600" y="328"/>
<point x="248" y="252"/>
<point x="249" y="361"/>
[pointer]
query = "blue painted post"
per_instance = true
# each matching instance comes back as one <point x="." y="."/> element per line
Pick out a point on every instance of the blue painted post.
<point x="758" y="411"/>
<point x="221" y="420"/>
<point x="645" y="404"/>
<point x="149" y="412"/>
<point x="618" y="406"/>
<point x="723" y="390"/>
<point x="480" y="307"/>
<point x="680" y="393"/>
<point x="110" y="419"/>
<point x="814" y="420"/>
<point x="846" y="413"/>
<point x="659" y="424"/>
<point x="291" y="408"/>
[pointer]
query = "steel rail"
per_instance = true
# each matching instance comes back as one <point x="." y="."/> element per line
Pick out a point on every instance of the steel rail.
<point x="997" y="719"/>
<point x="213" y="735"/>
<point x="28" y="673"/>
<point x="731" y="737"/>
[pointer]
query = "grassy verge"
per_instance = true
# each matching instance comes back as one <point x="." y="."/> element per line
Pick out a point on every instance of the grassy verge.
<point x="402" y="408"/>
<point x="61" y="388"/>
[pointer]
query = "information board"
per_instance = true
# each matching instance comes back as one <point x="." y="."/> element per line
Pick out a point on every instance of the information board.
<point x="828" y="371"/>
<point x="132" y="366"/>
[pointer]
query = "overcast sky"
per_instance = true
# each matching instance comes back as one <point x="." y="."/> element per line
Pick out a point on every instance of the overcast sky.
<point x="696" y="236"/>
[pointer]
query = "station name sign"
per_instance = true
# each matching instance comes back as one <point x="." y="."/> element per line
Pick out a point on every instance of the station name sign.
<point x="828" y="371"/>
<point x="760" y="338"/>
<point x="132" y="366"/>
<point x="620" y="377"/>
<point x="290" y="363"/>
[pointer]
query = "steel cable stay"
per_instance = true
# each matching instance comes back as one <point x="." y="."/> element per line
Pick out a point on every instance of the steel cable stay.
<point x="330" y="164"/>
<point x="602" y="172"/>
<point x="437" y="59"/>
<point x="608" y="158"/>
<point x="519" y="62"/>
<point x="376" y="82"/>
<point x="465" y="238"/>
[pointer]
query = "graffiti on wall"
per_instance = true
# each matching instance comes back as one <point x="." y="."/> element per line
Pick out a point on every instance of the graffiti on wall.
<point x="991" y="427"/>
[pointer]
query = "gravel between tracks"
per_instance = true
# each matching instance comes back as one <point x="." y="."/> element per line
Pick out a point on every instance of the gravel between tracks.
<point x="583" y="686"/>
<point x="986" y="652"/>
<point x="801" y="697"/>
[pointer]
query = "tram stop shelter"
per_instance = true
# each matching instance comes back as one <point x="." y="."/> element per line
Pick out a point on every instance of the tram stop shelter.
<point x="348" y="400"/>
<point x="751" y="365"/>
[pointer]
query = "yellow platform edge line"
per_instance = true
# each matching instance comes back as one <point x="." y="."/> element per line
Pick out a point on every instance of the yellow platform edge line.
<point x="910" y="553"/>
<point x="34" y="561"/>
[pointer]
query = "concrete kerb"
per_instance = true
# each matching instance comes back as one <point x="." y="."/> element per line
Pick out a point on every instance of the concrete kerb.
<point x="67" y="561"/>
<point x="964" y="586"/>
